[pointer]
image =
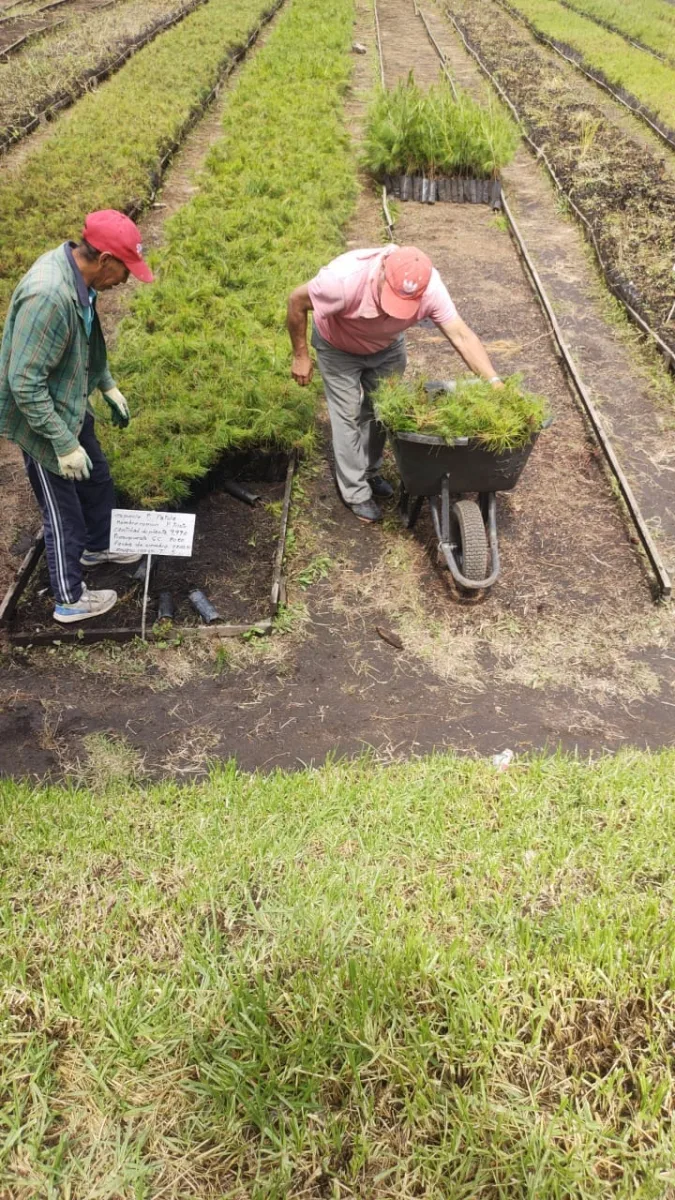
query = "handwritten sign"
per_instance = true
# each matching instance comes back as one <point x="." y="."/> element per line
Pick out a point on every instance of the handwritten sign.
<point x="134" y="532"/>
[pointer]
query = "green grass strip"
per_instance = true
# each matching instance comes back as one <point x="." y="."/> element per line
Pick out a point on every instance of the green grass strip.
<point x="422" y="980"/>
<point x="650" y="81"/>
<point x="204" y="356"/>
<point x="104" y="152"/>
<point x="648" y="21"/>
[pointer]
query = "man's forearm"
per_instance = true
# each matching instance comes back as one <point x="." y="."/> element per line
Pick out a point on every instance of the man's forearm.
<point x="470" y="348"/>
<point x="476" y="357"/>
<point x="296" y="323"/>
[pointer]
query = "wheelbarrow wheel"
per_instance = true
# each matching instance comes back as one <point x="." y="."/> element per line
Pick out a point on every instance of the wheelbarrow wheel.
<point x="472" y="539"/>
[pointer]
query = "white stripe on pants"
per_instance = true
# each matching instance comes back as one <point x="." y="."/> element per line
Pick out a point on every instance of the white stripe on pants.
<point x="59" y="540"/>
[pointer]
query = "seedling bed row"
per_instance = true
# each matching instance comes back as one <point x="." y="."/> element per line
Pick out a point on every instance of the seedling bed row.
<point x="624" y="289"/>
<point x="236" y="562"/>
<point x="55" y="103"/>
<point x="572" y="56"/>
<point x="639" y="45"/>
<point x="411" y="510"/>
<point x="449" y="189"/>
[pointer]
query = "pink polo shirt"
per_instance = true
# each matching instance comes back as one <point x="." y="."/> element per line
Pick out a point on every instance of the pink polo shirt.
<point x="344" y="300"/>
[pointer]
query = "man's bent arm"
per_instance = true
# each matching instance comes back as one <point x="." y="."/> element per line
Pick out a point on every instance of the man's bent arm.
<point x="469" y="347"/>
<point x="299" y="304"/>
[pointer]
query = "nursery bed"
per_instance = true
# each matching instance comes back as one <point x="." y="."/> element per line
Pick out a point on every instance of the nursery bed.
<point x="111" y="149"/>
<point x="41" y="88"/>
<point x="17" y="31"/>
<point x="573" y="56"/>
<point x="617" y="188"/>
<point x="236" y="561"/>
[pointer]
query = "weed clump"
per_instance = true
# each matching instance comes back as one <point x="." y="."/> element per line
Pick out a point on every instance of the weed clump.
<point x="500" y="418"/>
<point x="411" y="132"/>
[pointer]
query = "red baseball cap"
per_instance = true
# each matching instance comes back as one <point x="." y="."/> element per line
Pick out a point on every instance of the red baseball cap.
<point x="110" y="232"/>
<point x="407" y="272"/>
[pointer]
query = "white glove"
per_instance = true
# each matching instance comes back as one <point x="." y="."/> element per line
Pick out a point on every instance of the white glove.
<point x="120" y="409"/>
<point x="76" y="465"/>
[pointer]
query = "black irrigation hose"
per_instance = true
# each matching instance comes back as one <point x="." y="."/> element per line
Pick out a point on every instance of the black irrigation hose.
<point x="55" y="104"/>
<point x="617" y="289"/>
<point x="575" y="59"/>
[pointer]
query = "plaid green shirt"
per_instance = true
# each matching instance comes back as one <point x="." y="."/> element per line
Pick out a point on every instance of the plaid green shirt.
<point x="48" y="365"/>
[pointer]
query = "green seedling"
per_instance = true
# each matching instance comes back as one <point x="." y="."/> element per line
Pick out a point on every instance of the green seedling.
<point x="502" y="419"/>
<point x="410" y="132"/>
<point x="106" y="152"/>
<point x="204" y="354"/>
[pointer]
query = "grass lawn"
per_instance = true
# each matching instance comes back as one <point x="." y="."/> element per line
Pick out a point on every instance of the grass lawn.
<point x="422" y="980"/>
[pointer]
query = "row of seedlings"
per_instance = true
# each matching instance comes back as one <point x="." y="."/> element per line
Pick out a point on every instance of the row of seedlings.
<point x="616" y="187"/>
<point x="204" y="353"/>
<point x="430" y="145"/>
<point x="55" y="71"/>
<point x="109" y="151"/>
<point x="647" y="24"/>
<point x="641" y="82"/>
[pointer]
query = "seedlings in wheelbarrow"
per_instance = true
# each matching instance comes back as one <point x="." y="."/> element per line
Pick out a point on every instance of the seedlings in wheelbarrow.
<point x="500" y="418"/>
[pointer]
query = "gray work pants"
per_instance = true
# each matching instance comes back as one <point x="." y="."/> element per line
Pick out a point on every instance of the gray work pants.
<point x="358" y="439"/>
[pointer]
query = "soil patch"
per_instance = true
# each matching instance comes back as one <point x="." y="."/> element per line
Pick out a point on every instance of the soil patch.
<point x="232" y="561"/>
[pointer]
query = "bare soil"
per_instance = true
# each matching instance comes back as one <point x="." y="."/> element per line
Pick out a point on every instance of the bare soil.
<point x="620" y="186"/>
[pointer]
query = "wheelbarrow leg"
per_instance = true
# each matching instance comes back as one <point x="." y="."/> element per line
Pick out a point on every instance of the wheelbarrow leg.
<point x="445" y="509"/>
<point x="410" y="508"/>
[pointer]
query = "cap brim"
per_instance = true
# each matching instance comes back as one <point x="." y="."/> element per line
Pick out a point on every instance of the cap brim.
<point x="398" y="306"/>
<point x="141" y="270"/>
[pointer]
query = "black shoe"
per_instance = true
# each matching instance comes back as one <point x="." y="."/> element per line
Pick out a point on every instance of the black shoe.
<point x="368" y="511"/>
<point x="380" y="487"/>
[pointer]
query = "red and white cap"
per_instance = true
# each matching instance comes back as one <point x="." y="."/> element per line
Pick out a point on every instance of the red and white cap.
<point x="110" y="232"/>
<point x="407" y="272"/>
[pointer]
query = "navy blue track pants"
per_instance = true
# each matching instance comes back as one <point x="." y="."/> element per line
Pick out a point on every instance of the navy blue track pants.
<point x="76" y="515"/>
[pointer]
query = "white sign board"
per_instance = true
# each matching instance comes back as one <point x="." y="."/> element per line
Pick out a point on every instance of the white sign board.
<point x="136" y="532"/>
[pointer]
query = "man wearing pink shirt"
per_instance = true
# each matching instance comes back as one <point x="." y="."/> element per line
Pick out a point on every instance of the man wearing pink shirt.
<point x="362" y="303"/>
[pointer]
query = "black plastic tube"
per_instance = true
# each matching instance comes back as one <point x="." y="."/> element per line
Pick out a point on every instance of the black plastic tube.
<point x="165" y="607"/>
<point x="204" y="607"/>
<point x="240" y="493"/>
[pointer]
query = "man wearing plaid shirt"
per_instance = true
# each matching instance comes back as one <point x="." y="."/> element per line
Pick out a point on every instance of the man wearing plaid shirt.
<point x="53" y="356"/>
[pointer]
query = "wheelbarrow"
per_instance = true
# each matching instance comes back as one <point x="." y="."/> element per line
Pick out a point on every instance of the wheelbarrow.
<point x="441" y="472"/>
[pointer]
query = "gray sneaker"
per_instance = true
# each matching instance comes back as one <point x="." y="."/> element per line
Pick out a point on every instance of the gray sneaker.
<point x="368" y="511"/>
<point x="90" y="604"/>
<point x="94" y="558"/>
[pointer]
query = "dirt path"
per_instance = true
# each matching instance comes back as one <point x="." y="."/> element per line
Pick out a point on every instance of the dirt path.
<point x="568" y="650"/>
